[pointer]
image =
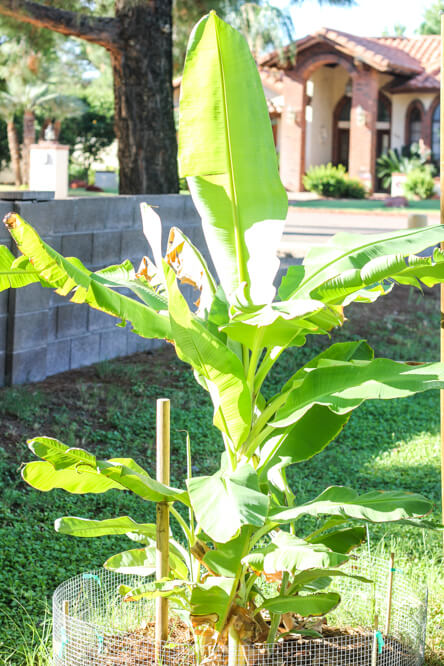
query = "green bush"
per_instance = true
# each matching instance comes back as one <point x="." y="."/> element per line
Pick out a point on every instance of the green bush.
<point x="354" y="189"/>
<point x="419" y="183"/>
<point x="331" y="181"/>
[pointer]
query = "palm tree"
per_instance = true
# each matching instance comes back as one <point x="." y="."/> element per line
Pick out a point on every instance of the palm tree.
<point x="8" y="108"/>
<point x="30" y="98"/>
<point x="263" y="25"/>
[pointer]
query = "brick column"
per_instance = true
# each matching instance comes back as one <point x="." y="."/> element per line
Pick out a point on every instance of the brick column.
<point x="363" y="127"/>
<point x="292" y="153"/>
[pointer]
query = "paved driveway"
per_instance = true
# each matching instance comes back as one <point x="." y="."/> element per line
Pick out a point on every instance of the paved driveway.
<point x="307" y="227"/>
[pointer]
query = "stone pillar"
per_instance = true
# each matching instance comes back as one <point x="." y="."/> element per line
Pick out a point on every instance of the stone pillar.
<point x="364" y="111"/>
<point x="292" y="153"/>
<point x="49" y="168"/>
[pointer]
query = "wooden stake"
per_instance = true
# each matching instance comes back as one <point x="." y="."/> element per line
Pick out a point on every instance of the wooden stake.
<point x="441" y="174"/>
<point x="389" y="593"/>
<point x="162" y="518"/>
<point x="375" y="642"/>
<point x="65" y="627"/>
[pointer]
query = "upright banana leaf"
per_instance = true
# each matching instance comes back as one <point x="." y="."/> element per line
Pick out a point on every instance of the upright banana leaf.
<point x="226" y="150"/>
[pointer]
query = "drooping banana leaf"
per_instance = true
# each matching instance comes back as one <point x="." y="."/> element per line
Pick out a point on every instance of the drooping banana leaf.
<point x="375" y="506"/>
<point x="82" y="527"/>
<point x="78" y="471"/>
<point x="227" y="152"/>
<point x="66" y="275"/>
<point x="220" y="370"/>
<point x="350" y="263"/>
<point x="142" y="562"/>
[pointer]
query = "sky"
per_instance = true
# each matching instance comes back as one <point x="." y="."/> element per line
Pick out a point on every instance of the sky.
<point x="367" y="18"/>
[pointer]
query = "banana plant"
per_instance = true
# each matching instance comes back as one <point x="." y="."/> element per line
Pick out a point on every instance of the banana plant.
<point x="250" y="532"/>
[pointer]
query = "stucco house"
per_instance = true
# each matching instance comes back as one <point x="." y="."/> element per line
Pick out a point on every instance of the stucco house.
<point x="336" y="97"/>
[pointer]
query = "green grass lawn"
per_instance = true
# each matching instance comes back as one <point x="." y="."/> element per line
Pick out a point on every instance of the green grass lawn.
<point x="371" y="205"/>
<point x="110" y="409"/>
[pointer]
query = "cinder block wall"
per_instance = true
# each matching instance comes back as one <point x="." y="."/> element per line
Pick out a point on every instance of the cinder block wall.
<point x="42" y="333"/>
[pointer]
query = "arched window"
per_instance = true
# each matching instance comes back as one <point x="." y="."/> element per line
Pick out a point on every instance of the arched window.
<point x="414" y="123"/>
<point x="435" y="134"/>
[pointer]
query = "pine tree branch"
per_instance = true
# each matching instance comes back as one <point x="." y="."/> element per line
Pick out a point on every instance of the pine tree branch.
<point x="99" y="30"/>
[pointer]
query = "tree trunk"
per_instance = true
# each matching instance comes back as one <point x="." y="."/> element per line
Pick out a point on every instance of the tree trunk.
<point x="139" y="39"/>
<point x="28" y="140"/>
<point x="144" y="116"/>
<point x="14" y="152"/>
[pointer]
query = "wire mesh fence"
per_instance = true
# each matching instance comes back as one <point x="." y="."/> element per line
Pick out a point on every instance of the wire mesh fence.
<point x="93" y="626"/>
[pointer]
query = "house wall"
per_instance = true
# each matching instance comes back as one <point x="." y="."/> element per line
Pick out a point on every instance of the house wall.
<point x="400" y="103"/>
<point x="328" y="88"/>
<point x="42" y="333"/>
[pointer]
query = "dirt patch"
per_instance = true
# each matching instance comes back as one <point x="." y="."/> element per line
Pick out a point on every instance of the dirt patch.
<point x="339" y="647"/>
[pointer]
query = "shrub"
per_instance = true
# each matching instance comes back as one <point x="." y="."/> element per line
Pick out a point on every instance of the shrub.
<point x="326" y="180"/>
<point x="333" y="181"/>
<point x="354" y="189"/>
<point x="419" y="183"/>
<point x="393" y="161"/>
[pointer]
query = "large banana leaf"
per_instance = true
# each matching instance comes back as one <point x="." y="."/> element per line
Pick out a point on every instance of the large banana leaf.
<point x="226" y="501"/>
<point x="343" y="386"/>
<point x="350" y="263"/>
<point x="226" y="150"/>
<point x="66" y="275"/>
<point x="220" y="370"/>
<point x="374" y="506"/>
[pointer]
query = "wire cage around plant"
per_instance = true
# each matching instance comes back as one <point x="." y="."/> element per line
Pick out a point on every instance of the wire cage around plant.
<point x="94" y="626"/>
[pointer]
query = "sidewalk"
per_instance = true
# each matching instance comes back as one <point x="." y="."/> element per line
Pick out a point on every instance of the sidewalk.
<point x="308" y="227"/>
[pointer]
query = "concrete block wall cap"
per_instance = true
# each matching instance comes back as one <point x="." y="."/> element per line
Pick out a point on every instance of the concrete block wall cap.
<point x="27" y="195"/>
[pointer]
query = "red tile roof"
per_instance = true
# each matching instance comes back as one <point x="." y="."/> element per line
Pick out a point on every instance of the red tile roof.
<point x="417" y="57"/>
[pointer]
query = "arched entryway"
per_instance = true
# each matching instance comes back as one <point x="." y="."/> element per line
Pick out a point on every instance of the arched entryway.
<point x="341" y="134"/>
<point x="383" y="128"/>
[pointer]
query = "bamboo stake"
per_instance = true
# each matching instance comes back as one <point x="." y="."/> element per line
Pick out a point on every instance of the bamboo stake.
<point x="162" y="518"/>
<point x="441" y="175"/>
<point x="389" y="593"/>
<point x="375" y="642"/>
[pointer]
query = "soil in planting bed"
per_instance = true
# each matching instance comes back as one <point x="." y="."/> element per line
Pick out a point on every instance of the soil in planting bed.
<point x="344" y="646"/>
